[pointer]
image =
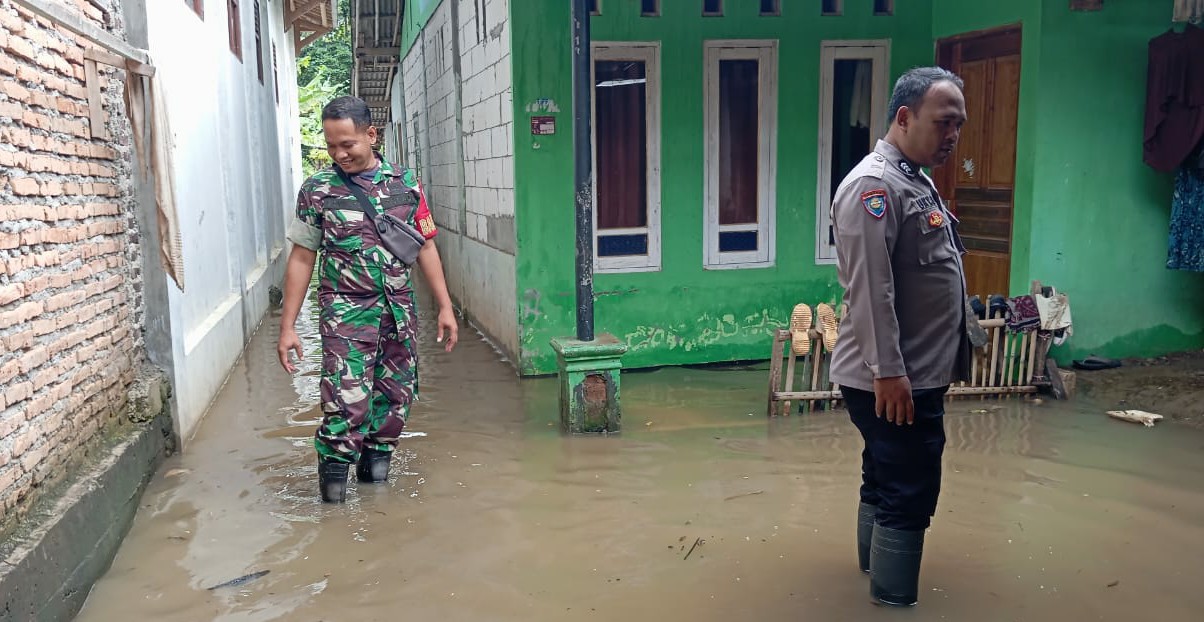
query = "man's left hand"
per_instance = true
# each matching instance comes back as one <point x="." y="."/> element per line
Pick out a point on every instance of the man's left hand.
<point x="449" y="331"/>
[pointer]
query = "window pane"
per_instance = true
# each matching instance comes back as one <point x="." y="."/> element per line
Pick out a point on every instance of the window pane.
<point x="738" y="141"/>
<point x="737" y="241"/>
<point x="622" y="245"/>
<point x="712" y="7"/>
<point x="852" y="97"/>
<point x="622" y="143"/>
<point x="650" y="8"/>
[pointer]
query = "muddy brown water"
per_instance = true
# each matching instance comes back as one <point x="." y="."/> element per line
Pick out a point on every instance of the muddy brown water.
<point x="1049" y="511"/>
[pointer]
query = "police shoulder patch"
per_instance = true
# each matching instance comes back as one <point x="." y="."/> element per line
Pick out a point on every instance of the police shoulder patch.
<point x="874" y="202"/>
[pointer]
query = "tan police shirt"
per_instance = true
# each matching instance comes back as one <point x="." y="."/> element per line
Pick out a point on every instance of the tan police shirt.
<point x="899" y="260"/>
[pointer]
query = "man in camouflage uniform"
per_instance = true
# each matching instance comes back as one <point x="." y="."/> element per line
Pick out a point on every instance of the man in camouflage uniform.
<point x="367" y="317"/>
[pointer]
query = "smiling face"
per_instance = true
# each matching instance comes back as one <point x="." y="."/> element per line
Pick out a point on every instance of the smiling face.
<point x="350" y="147"/>
<point x="929" y="132"/>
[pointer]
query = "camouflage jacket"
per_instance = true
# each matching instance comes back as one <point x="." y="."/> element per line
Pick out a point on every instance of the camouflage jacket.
<point x="357" y="278"/>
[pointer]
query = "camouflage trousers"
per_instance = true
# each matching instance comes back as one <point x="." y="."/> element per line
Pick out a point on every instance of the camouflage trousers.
<point x="366" y="388"/>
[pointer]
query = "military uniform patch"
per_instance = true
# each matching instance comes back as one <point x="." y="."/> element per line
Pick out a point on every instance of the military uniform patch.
<point x="427" y="226"/>
<point x="935" y="219"/>
<point x="907" y="168"/>
<point x="874" y="202"/>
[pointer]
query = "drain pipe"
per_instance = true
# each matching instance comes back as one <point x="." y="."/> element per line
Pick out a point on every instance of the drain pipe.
<point x="583" y="165"/>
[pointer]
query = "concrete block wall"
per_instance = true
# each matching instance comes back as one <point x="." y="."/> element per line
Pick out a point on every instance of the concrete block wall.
<point x="488" y="123"/>
<point x="459" y="132"/>
<point x="70" y="295"/>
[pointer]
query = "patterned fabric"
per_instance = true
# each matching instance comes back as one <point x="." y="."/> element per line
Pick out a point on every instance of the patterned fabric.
<point x="1023" y="315"/>
<point x="1186" y="248"/>
<point x="367" y="388"/>
<point x="367" y="319"/>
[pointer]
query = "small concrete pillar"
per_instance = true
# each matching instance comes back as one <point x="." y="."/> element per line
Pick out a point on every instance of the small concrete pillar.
<point x="589" y="384"/>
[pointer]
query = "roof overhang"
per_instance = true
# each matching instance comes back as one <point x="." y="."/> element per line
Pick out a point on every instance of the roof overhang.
<point x="310" y="19"/>
<point x="376" y="37"/>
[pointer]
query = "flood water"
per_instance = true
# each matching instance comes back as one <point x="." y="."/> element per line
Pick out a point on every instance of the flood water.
<point x="1048" y="511"/>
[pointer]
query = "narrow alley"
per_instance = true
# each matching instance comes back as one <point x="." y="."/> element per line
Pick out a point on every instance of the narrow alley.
<point x="1049" y="511"/>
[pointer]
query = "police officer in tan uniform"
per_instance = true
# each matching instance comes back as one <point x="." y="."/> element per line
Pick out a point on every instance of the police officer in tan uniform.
<point x="903" y="341"/>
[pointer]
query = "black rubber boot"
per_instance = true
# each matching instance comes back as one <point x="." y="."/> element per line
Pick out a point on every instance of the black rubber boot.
<point x="332" y="480"/>
<point x="866" y="514"/>
<point x="373" y="466"/>
<point x="895" y="566"/>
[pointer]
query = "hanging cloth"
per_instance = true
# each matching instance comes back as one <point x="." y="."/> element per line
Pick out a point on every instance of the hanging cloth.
<point x="1186" y="247"/>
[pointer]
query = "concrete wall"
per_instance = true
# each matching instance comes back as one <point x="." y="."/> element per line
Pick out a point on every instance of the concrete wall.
<point x="458" y="116"/>
<point x="684" y="313"/>
<point x="1106" y="243"/>
<point x="236" y="168"/>
<point x="70" y="301"/>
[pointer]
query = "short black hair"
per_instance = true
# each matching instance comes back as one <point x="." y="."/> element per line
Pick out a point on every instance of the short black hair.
<point x="913" y="85"/>
<point x="348" y="107"/>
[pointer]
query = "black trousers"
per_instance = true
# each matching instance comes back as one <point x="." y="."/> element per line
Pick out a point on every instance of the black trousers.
<point x="901" y="464"/>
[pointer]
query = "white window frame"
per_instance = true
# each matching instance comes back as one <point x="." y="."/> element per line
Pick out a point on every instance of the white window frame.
<point x="765" y="52"/>
<point x="877" y="51"/>
<point x="648" y="52"/>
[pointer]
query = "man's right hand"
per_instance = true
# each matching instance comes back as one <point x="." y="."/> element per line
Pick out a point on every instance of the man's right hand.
<point x="892" y="398"/>
<point x="289" y="341"/>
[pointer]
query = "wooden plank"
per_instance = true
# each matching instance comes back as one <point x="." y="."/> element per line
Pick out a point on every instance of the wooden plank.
<point x="299" y="10"/>
<point x="107" y="58"/>
<point x="817" y="364"/>
<point x="141" y="69"/>
<point x="809" y="396"/>
<point x="995" y="343"/>
<point x="992" y="390"/>
<point x="775" y="370"/>
<point x="96" y="109"/>
<point x="790" y="361"/>
<point x="954" y="391"/>
<point x="1032" y="359"/>
<point x="1005" y="361"/>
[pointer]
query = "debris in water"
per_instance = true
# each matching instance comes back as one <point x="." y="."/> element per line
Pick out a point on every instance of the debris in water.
<point x="697" y="541"/>
<point x="746" y="494"/>
<point x="175" y="472"/>
<point x="247" y="578"/>
<point x="1136" y="416"/>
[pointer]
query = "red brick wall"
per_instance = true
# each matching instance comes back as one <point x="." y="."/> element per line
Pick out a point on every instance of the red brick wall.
<point x="69" y="258"/>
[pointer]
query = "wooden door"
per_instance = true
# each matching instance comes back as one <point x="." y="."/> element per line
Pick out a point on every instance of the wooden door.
<point x="979" y="179"/>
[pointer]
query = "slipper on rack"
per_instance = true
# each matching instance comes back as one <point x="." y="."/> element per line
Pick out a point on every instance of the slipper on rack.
<point x="800" y="330"/>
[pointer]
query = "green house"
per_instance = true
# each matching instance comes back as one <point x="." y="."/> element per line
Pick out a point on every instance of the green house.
<point x="721" y="128"/>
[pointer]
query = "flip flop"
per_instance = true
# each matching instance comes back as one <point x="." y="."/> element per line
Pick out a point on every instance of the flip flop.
<point x="1096" y="363"/>
<point x="800" y="330"/>
<point x="827" y="323"/>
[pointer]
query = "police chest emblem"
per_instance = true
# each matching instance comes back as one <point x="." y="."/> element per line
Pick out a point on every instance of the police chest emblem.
<point x="935" y="219"/>
<point x="874" y="202"/>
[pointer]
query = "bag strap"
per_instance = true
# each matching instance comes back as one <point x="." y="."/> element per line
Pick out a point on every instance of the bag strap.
<point x="365" y="203"/>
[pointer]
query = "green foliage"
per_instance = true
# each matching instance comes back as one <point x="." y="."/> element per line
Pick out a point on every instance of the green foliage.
<point x="323" y="73"/>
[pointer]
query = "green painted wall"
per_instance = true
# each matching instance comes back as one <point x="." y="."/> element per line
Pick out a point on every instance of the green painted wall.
<point x="683" y="314"/>
<point x="1101" y="219"/>
<point x="416" y="14"/>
